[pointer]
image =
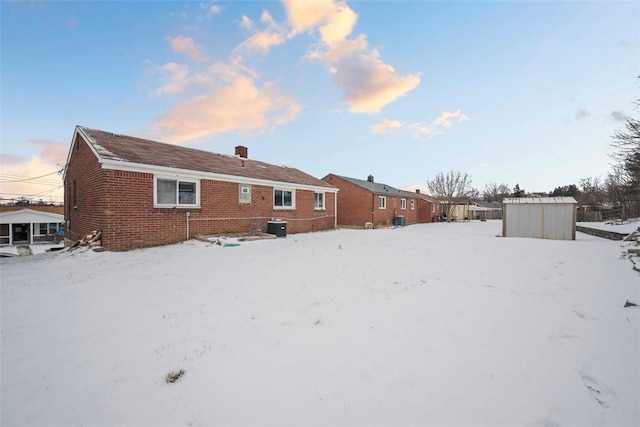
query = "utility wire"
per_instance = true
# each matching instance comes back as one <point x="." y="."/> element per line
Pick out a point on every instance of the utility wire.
<point x="32" y="178"/>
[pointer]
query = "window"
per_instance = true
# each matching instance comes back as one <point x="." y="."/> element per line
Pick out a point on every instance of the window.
<point x="319" y="201"/>
<point x="245" y="193"/>
<point x="403" y="204"/>
<point x="172" y="192"/>
<point x="4" y="234"/>
<point x="283" y="199"/>
<point x="45" y="228"/>
<point x="413" y="204"/>
<point x="433" y="208"/>
<point x="382" y="202"/>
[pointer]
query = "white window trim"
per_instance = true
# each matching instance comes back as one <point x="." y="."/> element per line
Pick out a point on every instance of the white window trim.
<point x="293" y="199"/>
<point x="413" y="204"/>
<point x="240" y="193"/>
<point x="382" y="202"/>
<point x="324" y="201"/>
<point x="178" y="180"/>
<point x="403" y="204"/>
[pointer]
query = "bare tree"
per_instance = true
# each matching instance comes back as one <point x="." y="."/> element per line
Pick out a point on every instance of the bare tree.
<point x="593" y="192"/>
<point x="494" y="192"/>
<point x="626" y="172"/>
<point x="450" y="188"/>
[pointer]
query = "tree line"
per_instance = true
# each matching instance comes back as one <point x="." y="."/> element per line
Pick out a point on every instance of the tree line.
<point x="618" y="191"/>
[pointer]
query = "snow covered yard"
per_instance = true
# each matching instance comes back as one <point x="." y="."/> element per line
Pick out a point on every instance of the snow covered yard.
<point x="436" y="324"/>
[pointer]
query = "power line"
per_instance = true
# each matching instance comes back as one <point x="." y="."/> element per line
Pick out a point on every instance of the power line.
<point x="24" y="179"/>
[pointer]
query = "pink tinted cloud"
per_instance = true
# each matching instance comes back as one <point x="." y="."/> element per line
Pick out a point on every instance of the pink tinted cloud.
<point x="188" y="47"/>
<point x="239" y="105"/>
<point x="369" y="84"/>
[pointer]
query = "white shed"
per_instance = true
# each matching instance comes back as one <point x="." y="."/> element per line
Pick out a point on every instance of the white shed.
<point x="540" y="217"/>
<point x="28" y="226"/>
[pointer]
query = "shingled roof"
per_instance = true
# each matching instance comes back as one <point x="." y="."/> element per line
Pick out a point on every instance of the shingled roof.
<point x="377" y="188"/>
<point x="132" y="150"/>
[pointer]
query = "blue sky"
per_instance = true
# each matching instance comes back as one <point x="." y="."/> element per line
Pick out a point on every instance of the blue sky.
<point x="508" y="92"/>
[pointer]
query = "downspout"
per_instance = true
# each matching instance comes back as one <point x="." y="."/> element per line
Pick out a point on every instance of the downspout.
<point x="373" y="204"/>
<point x="187" y="214"/>
<point x="335" y="209"/>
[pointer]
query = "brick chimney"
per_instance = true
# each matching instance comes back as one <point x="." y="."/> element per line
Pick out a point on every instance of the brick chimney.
<point x="417" y="191"/>
<point x="370" y="178"/>
<point x="242" y="151"/>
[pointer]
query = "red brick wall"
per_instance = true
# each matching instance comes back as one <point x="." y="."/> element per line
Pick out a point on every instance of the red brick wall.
<point x="425" y="213"/>
<point x="120" y="204"/>
<point x="83" y="188"/>
<point x="356" y="205"/>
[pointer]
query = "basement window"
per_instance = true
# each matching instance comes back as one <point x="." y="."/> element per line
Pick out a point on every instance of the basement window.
<point x="176" y="193"/>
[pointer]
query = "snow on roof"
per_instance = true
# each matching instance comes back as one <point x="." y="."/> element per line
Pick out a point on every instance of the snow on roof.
<point x="28" y="216"/>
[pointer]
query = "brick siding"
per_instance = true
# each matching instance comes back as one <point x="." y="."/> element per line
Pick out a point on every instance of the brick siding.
<point x="357" y="205"/>
<point x="120" y="205"/>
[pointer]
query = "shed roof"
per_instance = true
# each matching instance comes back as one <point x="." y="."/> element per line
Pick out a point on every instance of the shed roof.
<point x="539" y="200"/>
<point x="378" y="188"/>
<point x="131" y="150"/>
<point x="488" y="205"/>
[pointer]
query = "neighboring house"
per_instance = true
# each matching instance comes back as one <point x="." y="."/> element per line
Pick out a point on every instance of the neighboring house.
<point x="479" y="209"/>
<point x="140" y="193"/>
<point x="363" y="202"/>
<point x="429" y="208"/>
<point x="29" y="226"/>
<point x="540" y="217"/>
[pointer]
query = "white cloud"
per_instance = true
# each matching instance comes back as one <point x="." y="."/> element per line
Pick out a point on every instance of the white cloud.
<point x="386" y="126"/>
<point x="212" y="9"/>
<point x="421" y="129"/>
<point x="188" y="47"/>
<point x="445" y="118"/>
<point x="369" y="84"/>
<point x="236" y="105"/>
<point x="174" y="78"/>
<point x="246" y="23"/>
<point x="260" y="40"/>
<point x="307" y="14"/>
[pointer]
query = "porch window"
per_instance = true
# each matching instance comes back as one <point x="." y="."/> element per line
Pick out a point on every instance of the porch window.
<point x="319" y="201"/>
<point x="283" y="199"/>
<point x="4" y="234"/>
<point x="45" y="228"/>
<point x="176" y="193"/>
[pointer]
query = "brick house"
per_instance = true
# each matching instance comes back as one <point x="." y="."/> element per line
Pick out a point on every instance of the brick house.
<point x="141" y="193"/>
<point x="429" y="208"/>
<point x="367" y="201"/>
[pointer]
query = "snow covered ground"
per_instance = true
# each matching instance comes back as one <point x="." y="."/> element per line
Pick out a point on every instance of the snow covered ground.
<point x="436" y="324"/>
<point x="625" y="227"/>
